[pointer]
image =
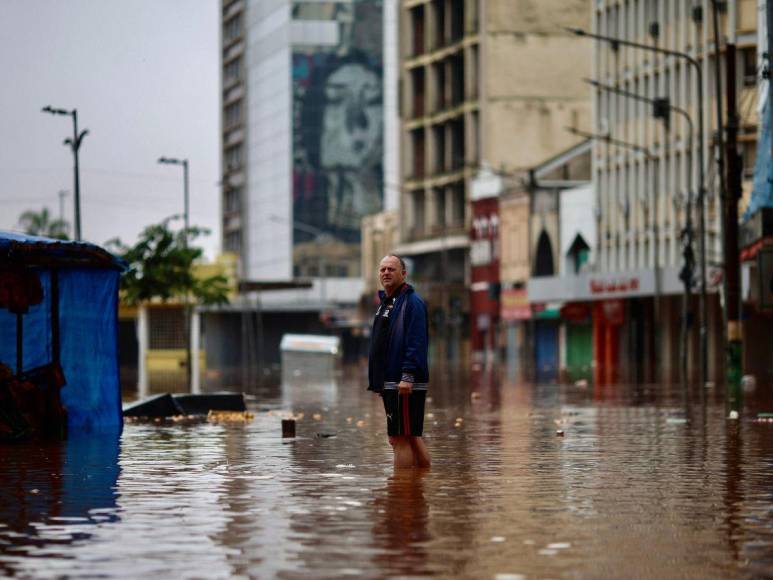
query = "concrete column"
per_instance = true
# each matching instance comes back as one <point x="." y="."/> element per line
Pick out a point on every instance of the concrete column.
<point x="195" y="348"/>
<point x="143" y="341"/>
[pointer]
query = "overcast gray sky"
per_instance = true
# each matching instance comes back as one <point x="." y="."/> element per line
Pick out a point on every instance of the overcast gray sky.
<point x="143" y="75"/>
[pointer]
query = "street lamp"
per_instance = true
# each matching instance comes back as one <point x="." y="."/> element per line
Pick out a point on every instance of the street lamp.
<point x="74" y="144"/>
<point x="186" y="305"/>
<point x="616" y="43"/>
<point x="184" y="163"/>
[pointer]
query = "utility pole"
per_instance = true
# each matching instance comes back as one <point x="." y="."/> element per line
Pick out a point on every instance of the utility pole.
<point x="730" y="216"/>
<point x="189" y="358"/>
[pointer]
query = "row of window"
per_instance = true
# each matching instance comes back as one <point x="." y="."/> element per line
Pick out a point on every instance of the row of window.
<point x="449" y="19"/>
<point x="449" y="147"/>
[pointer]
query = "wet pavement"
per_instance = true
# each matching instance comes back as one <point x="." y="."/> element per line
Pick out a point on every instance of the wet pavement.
<point x="643" y="483"/>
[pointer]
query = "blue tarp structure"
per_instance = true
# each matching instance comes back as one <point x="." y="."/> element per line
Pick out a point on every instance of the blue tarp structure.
<point x="80" y="288"/>
<point x="762" y="189"/>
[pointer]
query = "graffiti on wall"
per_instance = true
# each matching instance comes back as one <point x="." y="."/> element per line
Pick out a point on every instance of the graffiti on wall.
<point x="338" y="127"/>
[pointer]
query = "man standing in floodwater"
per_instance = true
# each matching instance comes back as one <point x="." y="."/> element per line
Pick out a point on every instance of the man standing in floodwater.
<point x="397" y="365"/>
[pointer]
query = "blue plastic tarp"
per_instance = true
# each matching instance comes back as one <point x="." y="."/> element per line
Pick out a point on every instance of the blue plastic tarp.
<point x="762" y="188"/>
<point x="88" y="326"/>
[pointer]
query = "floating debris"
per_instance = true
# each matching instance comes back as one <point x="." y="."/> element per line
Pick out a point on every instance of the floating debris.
<point x="559" y="433"/>
<point x="733" y="416"/>
<point x="497" y="539"/>
<point x="288" y="428"/>
<point x="349" y="419"/>
<point x="559" y="546"/>
<point x="676" y="421"/>
<point x="324" y="435"/>
<point x="229" y="416"/>
<point x="581" y="384"/>
<point x="475" y="396"/>
<point x="316" y="417"/>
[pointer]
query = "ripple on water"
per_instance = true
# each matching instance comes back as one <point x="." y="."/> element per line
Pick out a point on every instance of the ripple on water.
<point x="505" y="497"/>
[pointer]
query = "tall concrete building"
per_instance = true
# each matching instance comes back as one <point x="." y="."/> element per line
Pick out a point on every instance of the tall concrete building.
<point x="486" y="84"/>
<point x="302" y="139"/>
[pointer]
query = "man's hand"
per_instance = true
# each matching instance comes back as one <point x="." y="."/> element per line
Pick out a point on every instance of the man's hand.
<point x="405" y="388"/>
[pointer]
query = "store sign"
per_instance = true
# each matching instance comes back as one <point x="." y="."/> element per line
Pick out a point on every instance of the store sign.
<point x="514" y="305"/>
<point x="617" y="285"/>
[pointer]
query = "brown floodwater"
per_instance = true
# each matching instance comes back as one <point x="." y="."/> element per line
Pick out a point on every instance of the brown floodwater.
<point x="645" y="482"/>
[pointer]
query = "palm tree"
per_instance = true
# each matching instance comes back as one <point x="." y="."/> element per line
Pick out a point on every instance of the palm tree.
<point x="40" y="224"/>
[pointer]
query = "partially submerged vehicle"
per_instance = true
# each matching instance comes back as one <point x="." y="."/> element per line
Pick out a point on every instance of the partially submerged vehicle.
<point x="58" y="337"/>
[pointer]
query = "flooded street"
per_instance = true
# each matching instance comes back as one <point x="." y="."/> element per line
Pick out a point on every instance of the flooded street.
<point x="639" y="485"/>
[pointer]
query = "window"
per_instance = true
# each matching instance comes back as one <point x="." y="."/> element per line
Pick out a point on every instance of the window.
<point x="233" y="200"/>
<point x="233" y="158"/>
<point x="232" y="29"/>
<point x="439" y="133"/>
<point x="749" y="66"/>
<point x="417" y="22"/>
<point x="233" y="70"/>
<point x="233" y="242"/>
<point x="233" y="114"/>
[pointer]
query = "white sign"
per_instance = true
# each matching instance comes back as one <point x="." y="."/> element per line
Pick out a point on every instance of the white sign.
<point x="480" y="252"/>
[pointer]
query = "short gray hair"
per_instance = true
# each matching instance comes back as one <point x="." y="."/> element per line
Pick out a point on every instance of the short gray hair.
<point x="402" y="262"/>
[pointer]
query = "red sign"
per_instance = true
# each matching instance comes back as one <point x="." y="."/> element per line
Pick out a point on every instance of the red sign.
<point x="623" y="284"/>
<point x="514" y="305"/>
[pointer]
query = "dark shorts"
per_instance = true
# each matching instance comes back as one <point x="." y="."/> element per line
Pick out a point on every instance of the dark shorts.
<point x="404" y="413"/>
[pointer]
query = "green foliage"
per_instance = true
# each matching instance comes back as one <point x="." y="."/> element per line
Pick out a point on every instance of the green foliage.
<point x="161" y="267"/>
<point x="40" y="223"/>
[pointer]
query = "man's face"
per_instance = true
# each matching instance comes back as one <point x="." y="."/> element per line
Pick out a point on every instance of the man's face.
<point x="390" y="273"/>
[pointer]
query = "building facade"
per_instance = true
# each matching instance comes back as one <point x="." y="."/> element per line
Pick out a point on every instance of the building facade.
<point x="643" y="199"/>
<point x="476" y="94"/>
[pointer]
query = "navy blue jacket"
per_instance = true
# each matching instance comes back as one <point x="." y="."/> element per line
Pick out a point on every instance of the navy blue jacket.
<point x="408" y="339"/>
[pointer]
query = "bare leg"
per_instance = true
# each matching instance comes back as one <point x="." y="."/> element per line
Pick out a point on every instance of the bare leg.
<point x="420" y="453"/>
<point x="403" y="451"/>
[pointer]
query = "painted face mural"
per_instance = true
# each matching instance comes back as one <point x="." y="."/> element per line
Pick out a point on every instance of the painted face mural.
<point x="337" y="132"/>
<point x="352" y="118"/>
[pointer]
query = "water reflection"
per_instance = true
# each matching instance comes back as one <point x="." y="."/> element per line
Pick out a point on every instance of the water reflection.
<point x="401" y="523"/>
<point x="646" y="481"/>
<point x="55" y="494"/>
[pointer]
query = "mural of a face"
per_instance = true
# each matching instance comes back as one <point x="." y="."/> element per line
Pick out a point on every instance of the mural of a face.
<point x="352" y="121"/>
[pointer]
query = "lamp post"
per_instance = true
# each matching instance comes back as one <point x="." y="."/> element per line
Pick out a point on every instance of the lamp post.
<point x="75" y="144"/>
<point x="186" y="304"/>
<point x="184" y="163"/>
<point x="616" y="43"/>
